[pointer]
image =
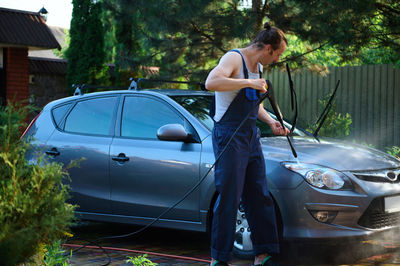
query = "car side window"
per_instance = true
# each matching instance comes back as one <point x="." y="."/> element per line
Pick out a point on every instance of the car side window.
<point x="59" y="113"/>
<point x="143" y="116"/>
<point x="93" y="116"/>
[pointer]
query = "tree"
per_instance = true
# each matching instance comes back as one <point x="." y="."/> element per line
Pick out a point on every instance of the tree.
<point x="185" y="38"/>
<point x="347" y="26"/>
<point x="123" y="38"/>
<point x="86" y="54"/>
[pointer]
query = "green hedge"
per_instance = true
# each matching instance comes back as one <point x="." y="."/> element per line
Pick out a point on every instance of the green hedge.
<point x="336" y="125"/>
<point x="394" y="151"/>
<point x="33" y="211"/>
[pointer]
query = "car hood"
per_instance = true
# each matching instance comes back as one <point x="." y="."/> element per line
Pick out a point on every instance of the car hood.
<point x="335" y="154"/>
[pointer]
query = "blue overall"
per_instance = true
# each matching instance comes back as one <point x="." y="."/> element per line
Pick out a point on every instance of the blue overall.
<point x="240" y="174"/>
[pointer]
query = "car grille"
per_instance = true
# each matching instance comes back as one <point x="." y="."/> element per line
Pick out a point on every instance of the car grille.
<point x="382" y="176"/>
<point x="375" y="217"/>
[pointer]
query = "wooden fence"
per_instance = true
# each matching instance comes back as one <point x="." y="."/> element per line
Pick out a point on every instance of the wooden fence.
<point x="370" y="94"/>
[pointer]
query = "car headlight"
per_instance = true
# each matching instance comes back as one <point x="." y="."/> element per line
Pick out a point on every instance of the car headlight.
<point x="320" y="176"/>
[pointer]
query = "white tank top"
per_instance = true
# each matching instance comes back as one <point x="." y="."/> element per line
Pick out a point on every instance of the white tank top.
<point x="224" y="98"/>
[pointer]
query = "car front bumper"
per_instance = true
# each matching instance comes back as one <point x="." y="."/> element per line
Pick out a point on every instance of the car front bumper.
<point x="358" y="213"/>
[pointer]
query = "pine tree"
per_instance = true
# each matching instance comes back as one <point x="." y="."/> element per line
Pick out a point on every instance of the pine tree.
<point x="126" y="38"/>
<point x="94" y="45"/>
<point x="75" y="71"/>
<point x="86" y="51"/>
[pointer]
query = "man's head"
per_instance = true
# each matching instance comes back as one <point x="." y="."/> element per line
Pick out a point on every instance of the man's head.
<point x="271" y="42"/>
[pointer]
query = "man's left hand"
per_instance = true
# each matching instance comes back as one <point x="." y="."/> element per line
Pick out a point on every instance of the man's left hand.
<point x="278" y="130"/>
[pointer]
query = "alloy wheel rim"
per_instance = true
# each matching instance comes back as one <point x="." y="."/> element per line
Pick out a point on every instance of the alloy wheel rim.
<point x="242" y="232"/>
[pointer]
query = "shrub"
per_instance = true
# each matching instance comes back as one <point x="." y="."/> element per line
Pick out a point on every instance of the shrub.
<point x="55" y="255"/>
<point x="394" y="151"/>
<point x="33" y="211"/>
<point x="140" y="261"/>
<point x="336" y="125"/>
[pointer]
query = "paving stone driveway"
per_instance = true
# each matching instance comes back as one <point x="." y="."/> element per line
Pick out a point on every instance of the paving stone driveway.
<point x="196" y="245"/>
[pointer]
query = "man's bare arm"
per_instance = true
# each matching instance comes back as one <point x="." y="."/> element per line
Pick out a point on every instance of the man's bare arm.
<point x="221" y="77"/>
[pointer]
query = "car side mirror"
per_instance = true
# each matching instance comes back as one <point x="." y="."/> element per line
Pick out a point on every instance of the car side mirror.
<point x="174" y="132"/>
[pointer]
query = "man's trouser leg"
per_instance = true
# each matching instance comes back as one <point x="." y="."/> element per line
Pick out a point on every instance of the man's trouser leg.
<point x="229" y="181"/>
<point x="259" y="205"/>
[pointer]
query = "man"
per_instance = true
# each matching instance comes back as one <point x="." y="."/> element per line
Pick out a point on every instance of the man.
<point x="240" y="172"/>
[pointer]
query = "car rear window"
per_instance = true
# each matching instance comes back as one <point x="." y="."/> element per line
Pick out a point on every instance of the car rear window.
<point x="93" y="116"/>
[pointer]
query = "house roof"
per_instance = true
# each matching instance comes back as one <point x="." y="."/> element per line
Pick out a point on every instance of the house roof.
<point x="59" y="33"/>
<point x="24" y="28"/>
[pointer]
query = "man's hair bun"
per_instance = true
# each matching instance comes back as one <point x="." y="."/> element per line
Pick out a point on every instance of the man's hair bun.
<point x="267" y="26"/>
<point x="269" y="35"/>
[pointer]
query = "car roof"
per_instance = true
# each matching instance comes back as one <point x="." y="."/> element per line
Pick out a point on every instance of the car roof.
<point x="166" y="92"/>
<point x="177" y="92"/>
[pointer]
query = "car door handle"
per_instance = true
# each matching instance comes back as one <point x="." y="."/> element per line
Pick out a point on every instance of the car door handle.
<point x="53" y="152"/>
<point x="120" y="158"/>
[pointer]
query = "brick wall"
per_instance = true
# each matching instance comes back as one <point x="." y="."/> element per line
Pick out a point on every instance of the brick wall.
<point x="17" y="74"/>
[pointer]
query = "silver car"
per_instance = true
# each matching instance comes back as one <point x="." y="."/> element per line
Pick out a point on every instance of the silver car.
<point x="143" y="150"/>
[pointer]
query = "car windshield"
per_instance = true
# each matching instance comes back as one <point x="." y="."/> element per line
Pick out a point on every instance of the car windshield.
<point x="198" y="106"/>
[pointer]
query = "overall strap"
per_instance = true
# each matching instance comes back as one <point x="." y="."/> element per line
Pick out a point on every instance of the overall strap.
<point x="246" y="76"/>
<point x="261" y="76"/>
<point x="245" y="71"/>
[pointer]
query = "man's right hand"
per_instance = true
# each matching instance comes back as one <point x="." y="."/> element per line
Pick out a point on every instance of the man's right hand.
<point x="259" y="84"/>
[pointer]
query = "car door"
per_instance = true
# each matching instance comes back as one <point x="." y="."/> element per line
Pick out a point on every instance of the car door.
<point x="84" y="136"/>
<point x="149" y="175"/>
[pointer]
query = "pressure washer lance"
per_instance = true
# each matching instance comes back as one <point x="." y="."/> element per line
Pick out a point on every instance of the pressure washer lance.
<point x="270" y="95"/>
<point x="277" y="111"/>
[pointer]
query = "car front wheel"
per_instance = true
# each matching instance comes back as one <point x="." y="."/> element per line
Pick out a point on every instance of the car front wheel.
<point x="242" y="246"/>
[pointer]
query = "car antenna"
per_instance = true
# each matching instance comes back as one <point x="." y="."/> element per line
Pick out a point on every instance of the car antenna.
<point x="324" y="113"/>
